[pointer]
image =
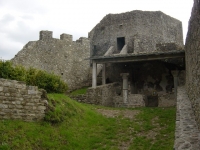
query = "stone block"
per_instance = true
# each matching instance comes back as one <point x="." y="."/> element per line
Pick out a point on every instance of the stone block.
<point x="28" y="107"/>
<point x="30" y="104"/>
<point x="3" y="106"/>
<point x="41" y="107"/>
<point x="7" y="94"/>
<point x="19" y="106"/>
<point x="1" y="88"/>
<point x="32" y="92"/>
<point x="2" y="97"/>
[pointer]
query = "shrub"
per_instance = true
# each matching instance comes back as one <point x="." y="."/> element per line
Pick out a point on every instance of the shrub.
<point x="48" y="81"/>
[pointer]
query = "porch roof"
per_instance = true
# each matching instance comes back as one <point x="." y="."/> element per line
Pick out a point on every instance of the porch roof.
<point x="137" y="57"/>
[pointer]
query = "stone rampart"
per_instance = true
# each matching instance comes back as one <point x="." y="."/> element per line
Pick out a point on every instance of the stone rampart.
<point x="19" y="101"/>
<point x="64" y="57"/>
<point x="192" y="49"/>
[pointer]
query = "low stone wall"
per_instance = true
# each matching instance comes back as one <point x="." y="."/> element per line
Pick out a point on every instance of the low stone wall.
<point x="134" y="100"/>
<point x="187" y="135"/>
<point x="166" y="100"/>
<point x="80" y="98"/>
<point x="102" y="95"/>
<point x="18" y="101"/>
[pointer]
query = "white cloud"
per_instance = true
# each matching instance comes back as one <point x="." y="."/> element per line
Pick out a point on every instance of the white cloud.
<point x="22" y="20"/>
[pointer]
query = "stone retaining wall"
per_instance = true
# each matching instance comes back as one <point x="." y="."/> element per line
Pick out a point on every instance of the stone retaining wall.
<point x="187" y="135"/>
<point x="103" y="95"/>
<point x="19" y="101"/>
<point x="192" y="51"/>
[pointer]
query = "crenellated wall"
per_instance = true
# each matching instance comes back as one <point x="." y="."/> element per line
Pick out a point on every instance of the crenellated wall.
<point x="63" y="56"/>
<point x="18" y="101"/>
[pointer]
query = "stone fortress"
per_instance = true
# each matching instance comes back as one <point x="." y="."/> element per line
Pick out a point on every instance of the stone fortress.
<point x="137" y="58"/>
<point x="63" y="57"/>
<point x="141" y="48"/>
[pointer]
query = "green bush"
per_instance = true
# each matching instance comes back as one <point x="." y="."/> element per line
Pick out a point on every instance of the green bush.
<point x="32" y="76"/>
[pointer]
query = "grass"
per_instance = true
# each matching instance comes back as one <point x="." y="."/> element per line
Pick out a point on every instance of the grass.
<point x="79" y="91"/>
<point x="83" y="128"/>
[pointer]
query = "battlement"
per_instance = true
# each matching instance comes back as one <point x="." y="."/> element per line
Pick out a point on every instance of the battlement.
<point x="82" y="40"/>
<point x="66" y="37"/>
<point x="44" y="35"/>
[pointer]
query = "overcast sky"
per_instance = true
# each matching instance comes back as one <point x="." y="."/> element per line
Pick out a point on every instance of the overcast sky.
<point x="21" y="20"/>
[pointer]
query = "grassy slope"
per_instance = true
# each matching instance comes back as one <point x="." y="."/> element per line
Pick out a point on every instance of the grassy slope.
<point x="84" y="128"/>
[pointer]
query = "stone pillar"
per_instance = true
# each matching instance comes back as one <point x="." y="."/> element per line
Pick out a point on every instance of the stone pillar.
<point x="94" y="74"/>
<point x="175" y="75"/>
<point x="104" y="74"/>
<point x="125" y="87"/>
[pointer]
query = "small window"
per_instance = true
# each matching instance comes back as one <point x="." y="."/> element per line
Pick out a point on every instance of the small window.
<point x="120" y="43"/>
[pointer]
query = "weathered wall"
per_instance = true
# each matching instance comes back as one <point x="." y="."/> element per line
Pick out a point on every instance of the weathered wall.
<point x="145" y="77"/>
<point x="18" y="101"/>
<point x="142" y="31"/>
<point x="103" y="95"/>
<point x="63" y="56"/>
<point x="192" y="49"/>
<point x="134" y="100"/>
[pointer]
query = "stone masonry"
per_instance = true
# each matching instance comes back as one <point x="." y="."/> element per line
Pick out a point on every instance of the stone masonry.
<point x="18" y="101"/>
<point x="187" y="135"/>
<point x="140" y="31"/>
<point x="192" y="49"/>
<point x="63" y="57"/>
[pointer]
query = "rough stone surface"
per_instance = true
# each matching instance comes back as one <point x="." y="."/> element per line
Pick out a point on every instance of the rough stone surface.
<point x="141" y="30"/>
<point x="18" y="101"/>
<point x="166" y="100"/>
<point x="134" y="100"/>
<point x="192" y="48"/>
<point x="63" y="56"/>
<point x="147" y="78"/>
<point x="111" y="95"/>
<point x="103" y="95"/>
<point x="187" y="135"/>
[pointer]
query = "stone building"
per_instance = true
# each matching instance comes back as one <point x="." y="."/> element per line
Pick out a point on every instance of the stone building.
<point x="192" y="49"/>
<point x="63" y="56"/>
<point x="139" y="50"/>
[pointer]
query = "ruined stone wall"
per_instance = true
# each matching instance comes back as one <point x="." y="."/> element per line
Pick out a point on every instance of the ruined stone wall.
<point x="147" y="78"/>
<point x="192" y="48"/>
<point x="18" y="101"/>
<point x="63" y="56"/>
<point x="142" y="31"/>
<point x="102" y="95"/>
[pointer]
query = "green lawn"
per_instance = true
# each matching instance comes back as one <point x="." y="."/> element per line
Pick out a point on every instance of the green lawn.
<point x="76" y="126"/>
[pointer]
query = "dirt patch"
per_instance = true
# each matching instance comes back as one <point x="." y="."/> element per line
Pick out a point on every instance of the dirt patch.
<point x="116" y="113"/>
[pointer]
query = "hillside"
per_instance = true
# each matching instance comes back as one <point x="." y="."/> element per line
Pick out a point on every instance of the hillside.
<point x="72" y="125"/>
